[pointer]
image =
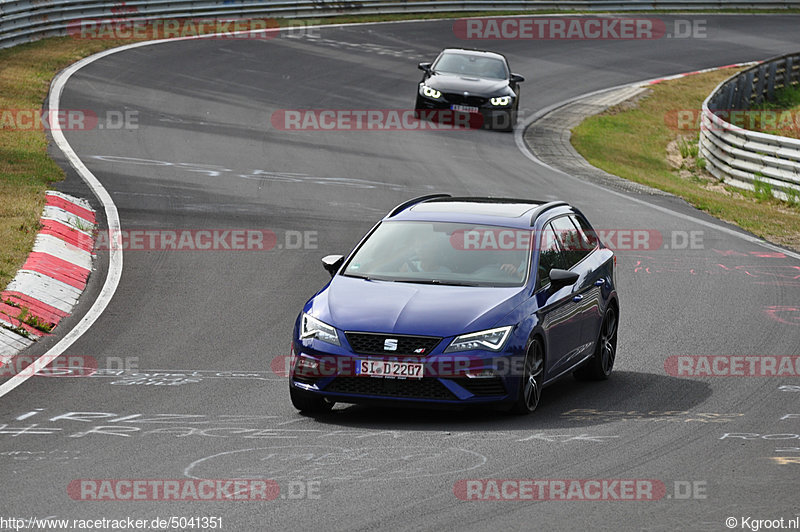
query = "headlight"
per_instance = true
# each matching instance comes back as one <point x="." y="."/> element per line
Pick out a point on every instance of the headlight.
<point x="311" y="327"/>
<point x="431" y="93"/>
<point x="502" y="100"/>
<point x="489" y="340"/>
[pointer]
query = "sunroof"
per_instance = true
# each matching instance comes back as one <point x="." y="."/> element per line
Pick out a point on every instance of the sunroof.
<point x="490" y="207"/>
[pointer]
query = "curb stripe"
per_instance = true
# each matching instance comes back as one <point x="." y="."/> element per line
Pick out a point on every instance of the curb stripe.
<point x="69" y="234"/>
<point x="43" y="311"/>
<point x="59" y="269"/>
<point x="82" y="209"/>
<point x="62" y="203"/>
<point x="56" y="247"/>
<point x="11" y="343"/>
<point x="8" y="317"/>
<point x="45" y="289"/>
<point x="51" y="212"/>
<point x="703" y="71"/>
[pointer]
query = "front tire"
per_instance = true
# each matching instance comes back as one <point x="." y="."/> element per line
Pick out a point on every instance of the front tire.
<point x="599" y="367"/>
<point x="532" y="378"/>
<point x="308" y="403"/>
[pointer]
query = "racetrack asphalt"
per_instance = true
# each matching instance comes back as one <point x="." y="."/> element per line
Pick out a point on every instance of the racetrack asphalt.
<point x="205" y="157"/>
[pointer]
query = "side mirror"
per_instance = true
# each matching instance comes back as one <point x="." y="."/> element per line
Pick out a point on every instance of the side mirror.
<point x="561" y="278"/>
<point x="332" y="263"/>
<point x="516" y="78"/>
<point x="425" y="66"/>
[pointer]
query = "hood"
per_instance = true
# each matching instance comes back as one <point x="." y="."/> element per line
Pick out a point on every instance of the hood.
<point x="352" y="304"/>
<point x="475" y="86"/>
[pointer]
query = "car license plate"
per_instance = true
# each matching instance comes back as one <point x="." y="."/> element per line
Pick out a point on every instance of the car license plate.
<point x="464" y="108"/>
<point x="381" y="368"/>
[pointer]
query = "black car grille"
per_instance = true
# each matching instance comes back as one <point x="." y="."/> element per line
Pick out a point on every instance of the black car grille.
<point x="373" y="344"/>
<point x="425" y="388"/>
<point x="482" y="387"/>
<point x="460" y="99"/>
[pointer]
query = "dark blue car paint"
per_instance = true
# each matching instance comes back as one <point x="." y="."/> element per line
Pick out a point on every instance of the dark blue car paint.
<point x="568" y="327"/>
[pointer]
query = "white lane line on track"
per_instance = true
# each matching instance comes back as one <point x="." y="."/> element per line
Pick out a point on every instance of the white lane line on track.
<point x="520" y="141"/>
<point x="112" y="216"/>
<point x="115" y="254"/>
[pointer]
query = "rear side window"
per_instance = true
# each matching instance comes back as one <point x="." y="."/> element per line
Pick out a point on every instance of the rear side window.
<point x="572" y="241"/>
<point x="588" y="234"/>
<point x="550" y="256"/>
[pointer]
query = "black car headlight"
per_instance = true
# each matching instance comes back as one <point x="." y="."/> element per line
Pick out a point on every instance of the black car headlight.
<point x="488" y="340"/>
<point x="430" y="92"/>
<point x="311" y="327"/>
<point x="501" y="101"/>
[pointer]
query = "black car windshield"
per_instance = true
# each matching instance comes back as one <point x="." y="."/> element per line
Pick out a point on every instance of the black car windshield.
<point x="471" y="65"/>
<point x="444" y="253"/>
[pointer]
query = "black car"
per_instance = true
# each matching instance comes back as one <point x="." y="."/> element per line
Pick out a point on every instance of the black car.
<point x="475" y="83"/>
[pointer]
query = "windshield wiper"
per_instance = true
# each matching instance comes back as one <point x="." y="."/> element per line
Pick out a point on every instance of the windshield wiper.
<point x="435" y="281"/>
<point x="357" y="276"/>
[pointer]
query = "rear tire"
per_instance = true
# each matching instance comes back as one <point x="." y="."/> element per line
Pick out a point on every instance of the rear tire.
<point x="530" y="392"/>
<point x="599" y="367"/>
<point x="308" y="403"/>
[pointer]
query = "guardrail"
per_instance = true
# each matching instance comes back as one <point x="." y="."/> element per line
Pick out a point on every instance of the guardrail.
<point x="29" y="20"/>
<point x="745" y="158"/>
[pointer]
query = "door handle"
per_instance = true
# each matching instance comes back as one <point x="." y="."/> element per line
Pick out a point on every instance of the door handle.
<point x="600" y="282"/>
<point x="577" y="298"/>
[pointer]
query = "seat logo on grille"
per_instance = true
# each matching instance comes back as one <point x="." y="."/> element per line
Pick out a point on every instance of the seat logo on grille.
<point x="390" y="344"/>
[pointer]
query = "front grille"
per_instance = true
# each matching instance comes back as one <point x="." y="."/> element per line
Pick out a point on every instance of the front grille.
<point x="425" y="388"/>
<point x="482" y="387"/>
<point x="460" y="99"/>
<point x="374" y="344"/>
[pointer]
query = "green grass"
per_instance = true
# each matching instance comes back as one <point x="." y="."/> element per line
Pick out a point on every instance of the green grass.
<point x="632" y="143"/>
<point x="779" y="116"/>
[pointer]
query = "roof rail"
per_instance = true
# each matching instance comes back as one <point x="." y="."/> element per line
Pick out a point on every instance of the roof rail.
<point x="546" y="207"/>
<point x="403" y="206"/>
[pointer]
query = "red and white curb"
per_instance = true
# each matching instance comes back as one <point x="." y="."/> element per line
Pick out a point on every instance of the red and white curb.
<point x="53" y="277"/>
<point x="694" y="72"/>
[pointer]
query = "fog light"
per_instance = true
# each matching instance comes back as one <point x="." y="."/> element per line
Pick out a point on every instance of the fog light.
<point x="482" y="374"/>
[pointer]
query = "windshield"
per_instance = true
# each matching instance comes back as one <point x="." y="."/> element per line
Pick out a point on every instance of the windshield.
<point x="471" y="65"/>
<point x="444" y="253"/>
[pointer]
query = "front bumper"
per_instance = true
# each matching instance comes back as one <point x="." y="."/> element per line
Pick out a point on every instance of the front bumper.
<point x="469" y="378"/>
<point x="487" y="117"/>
